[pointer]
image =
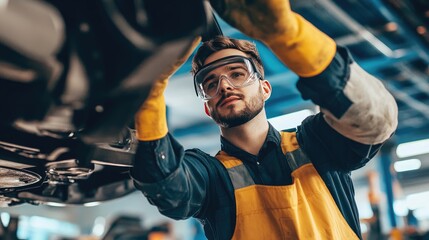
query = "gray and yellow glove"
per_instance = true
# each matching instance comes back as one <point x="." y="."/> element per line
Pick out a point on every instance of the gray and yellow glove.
<point x="301" y="46"/>
<point x="151" y="120"/>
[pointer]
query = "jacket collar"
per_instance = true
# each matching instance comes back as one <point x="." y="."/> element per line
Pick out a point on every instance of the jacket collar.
<point x="273" y="139"/>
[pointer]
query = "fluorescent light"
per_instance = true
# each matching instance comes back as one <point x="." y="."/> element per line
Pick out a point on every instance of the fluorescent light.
<point x="417" y="200"/>
<point x="291" y="120"/>
<point x="98" y="228"/>
<point x="400" y="207"/>
<point x="422" y="213"/>
<point x="407" y="165"/>
<point x="413" y="148"/>
<point x="55" y="204"/>
<point x="5" y="218"/>
<point x="91" y="204"/>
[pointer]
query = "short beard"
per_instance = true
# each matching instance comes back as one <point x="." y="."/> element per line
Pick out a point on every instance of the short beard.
<point x="251" y="109"/>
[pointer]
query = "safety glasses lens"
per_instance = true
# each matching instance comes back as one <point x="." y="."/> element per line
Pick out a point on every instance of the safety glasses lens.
<point x="237" y="70"/>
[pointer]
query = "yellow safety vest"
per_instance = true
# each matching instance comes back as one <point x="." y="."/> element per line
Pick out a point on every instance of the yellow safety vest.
<point x="303" y="210"/>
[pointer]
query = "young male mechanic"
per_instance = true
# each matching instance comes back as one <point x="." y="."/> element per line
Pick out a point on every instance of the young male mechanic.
<point x="266" y="184"/>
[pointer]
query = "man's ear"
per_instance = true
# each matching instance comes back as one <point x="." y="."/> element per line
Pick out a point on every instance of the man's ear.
<point x="266" y="89"/>
<point x="206" y="110"/>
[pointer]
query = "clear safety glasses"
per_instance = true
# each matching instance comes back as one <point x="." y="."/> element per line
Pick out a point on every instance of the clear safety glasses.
<point x="239" y="71"/>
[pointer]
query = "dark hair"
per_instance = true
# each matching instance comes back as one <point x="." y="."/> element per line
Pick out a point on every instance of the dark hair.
<point x="222" y="42"/>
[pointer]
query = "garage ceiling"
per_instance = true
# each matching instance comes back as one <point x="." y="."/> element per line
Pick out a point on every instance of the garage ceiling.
<point x="389" y="39"/>
<point x="392" y="45"/>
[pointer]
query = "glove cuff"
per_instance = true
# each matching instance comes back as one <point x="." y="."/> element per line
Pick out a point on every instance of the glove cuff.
<point x="308" y="52"/>
<point x="151" y="120"/>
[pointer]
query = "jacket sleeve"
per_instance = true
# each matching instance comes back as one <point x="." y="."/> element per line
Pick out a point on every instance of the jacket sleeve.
<point x="354" y="103"/>
<point x="329" y="150"/>
<point x="172" y="179"/>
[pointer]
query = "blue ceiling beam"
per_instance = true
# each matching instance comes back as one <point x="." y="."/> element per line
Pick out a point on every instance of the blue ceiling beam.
<point x="388" y="12"/>
<point x="374" y="64"/>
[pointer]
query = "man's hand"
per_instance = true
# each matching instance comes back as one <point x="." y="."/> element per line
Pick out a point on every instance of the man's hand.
<point x="302" y="47"/>
<point x="150" y="120"/>
<point x="258" y="19"/>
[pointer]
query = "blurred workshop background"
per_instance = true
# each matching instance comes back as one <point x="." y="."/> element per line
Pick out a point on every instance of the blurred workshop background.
<point x="388" y="38"/>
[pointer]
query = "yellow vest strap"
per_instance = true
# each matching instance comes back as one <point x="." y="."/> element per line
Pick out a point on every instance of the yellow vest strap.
<point x="240" y="177"/>
<point x="296" y="159"/>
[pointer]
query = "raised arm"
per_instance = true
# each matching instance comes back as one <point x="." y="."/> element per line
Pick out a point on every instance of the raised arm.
<point x="355" y="104"/>
<point x="174" y="181"/>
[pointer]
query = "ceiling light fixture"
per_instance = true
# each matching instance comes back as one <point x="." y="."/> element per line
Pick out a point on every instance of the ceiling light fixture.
<point x="55" y="204"/>
<point x="91" y="204"/>
<point x="407" y="165"/>
<point x="417" y="200"/>
<point x="422" y="213"/>
<point x="290" y="120"/>
<point x="413" y="148"/>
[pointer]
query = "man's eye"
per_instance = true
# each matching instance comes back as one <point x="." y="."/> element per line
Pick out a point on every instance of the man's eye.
<point x="210" y="84"/>
<point x="237" y="74"/>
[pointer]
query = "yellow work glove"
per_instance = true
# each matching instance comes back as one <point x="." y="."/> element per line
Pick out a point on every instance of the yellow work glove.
<point x="151" y="120"/>
<point x="301" y="46"/>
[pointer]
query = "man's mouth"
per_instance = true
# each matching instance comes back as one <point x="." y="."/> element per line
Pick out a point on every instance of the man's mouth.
<point x="227" y="100"/>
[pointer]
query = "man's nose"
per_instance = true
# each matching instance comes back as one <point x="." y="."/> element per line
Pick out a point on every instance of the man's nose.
<point x="224" y="83"/>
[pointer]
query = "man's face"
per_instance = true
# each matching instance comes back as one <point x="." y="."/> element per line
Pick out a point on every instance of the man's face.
<point x="232" y="107"/>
